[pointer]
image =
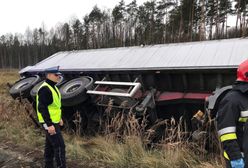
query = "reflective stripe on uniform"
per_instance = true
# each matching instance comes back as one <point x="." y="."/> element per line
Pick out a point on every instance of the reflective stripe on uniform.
<point x="226" y="137"/>
<point x="243" y="119"/>
<point x="226" y="155"/>
<point x="227" y="130"/>
<point x="244" y="113"/>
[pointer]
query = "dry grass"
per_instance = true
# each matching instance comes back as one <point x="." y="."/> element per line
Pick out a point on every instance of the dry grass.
<point x="7" y="76"/>
<point x="123" y="143"/>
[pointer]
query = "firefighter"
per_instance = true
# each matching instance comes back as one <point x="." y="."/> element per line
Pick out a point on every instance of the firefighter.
<point x="232" y="121"/>
<point x="48" y="104"/>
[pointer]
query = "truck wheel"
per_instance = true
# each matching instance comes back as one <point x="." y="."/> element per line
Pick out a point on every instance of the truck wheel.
<point x="22" y="87"/>
<point x="35" y="89"/>
<point x="73" y="92"/>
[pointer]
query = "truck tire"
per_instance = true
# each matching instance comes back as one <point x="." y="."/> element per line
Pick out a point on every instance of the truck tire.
<point x="22" y="87"/>
<point x="74" y="91"/>
<point x="35" y="89"/>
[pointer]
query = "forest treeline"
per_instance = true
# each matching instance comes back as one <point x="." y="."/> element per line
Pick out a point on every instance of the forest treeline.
<point x="153" y="22"/>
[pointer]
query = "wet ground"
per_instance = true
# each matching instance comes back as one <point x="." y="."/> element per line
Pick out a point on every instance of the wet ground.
<point x="13" y="157"/>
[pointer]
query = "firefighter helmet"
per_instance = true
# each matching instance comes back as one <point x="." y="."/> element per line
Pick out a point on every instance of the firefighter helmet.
<point x="242" y="72"/>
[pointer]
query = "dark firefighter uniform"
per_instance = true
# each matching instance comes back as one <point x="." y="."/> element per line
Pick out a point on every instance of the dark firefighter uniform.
<point x="231" y="122"/>
<point x="49" y="113"/>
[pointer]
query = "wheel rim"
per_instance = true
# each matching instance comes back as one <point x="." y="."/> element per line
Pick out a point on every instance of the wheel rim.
<point x="72" y="87"/>
<point x="24" y="83"/>
<point x="21" y="85"/>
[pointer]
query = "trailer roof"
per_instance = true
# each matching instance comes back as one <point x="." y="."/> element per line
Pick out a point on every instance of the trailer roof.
<point x="214" y="54"/>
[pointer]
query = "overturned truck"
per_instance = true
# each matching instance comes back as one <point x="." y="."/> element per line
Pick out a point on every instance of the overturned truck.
<point x="168" y="80"/>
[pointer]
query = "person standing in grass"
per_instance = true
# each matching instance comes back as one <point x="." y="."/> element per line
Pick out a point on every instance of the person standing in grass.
<point x="232" y="121"/>
<point x="48" y="106"/>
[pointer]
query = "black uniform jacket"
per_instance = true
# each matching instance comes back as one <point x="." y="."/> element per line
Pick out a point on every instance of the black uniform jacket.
<point x="231" y="122"/>
<point x="45" y="99"/>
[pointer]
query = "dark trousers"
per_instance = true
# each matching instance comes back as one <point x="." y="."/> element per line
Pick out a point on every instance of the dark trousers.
<point x="244" y="138"/>
<point x="228" y="164"/>
<point x="55" y="147"/>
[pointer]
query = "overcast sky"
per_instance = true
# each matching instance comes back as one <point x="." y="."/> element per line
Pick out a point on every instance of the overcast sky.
<point x="17" y="15"/>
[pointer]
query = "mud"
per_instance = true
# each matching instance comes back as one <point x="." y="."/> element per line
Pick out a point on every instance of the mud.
<point x="15" y="159"/>
<point x="13" y="156"/>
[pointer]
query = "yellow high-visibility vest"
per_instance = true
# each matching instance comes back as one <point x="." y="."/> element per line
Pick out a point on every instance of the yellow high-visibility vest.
<point x="54" y="108"/>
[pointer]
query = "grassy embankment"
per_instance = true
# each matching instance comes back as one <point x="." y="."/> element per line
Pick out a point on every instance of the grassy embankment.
<point x="101" y="151"/>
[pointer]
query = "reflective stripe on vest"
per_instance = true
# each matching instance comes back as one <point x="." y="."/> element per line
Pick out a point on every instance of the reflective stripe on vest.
<point x="243" y="119"/>
<point x="244" y="113"/>
<point x="226" y="155"/>
<point x="228" y="137"/>
<point x="226" y="130"/>
<point x="54" y="108"/>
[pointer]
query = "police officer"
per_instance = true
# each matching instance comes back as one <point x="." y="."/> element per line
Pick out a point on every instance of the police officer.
<point x="232" y="121"/>
<point x="49" y="115"/>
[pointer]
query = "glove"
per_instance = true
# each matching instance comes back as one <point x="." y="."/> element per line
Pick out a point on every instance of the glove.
<point x="239" y="163"/>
